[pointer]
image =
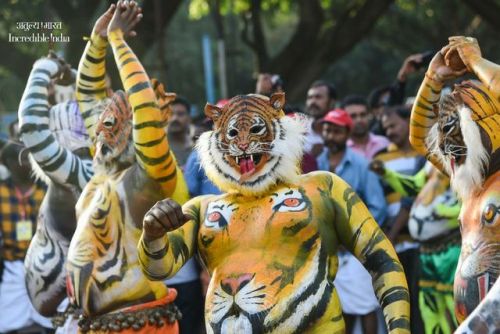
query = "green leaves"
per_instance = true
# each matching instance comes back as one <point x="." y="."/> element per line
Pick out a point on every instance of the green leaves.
<point x="201" y="8"/>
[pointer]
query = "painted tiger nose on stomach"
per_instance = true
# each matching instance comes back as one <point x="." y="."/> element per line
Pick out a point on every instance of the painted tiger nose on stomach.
<point x="232" y="285"/>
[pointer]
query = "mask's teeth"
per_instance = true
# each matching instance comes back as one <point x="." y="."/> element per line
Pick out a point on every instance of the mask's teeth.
<point x="237" y="160"/>
<point x="251" y="157"/>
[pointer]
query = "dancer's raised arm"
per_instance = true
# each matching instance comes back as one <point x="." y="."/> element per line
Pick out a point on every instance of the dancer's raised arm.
<point x="424" y="114"/>
<point x="91" y="80"/>
<point x="151" y="146"/>
<point x="470" y="54"/>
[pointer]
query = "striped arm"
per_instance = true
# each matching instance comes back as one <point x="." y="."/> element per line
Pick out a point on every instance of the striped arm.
<point x="164" y="257"/>
<point x="423" y="118"/>
<point x="91" y="81"/>
<point x="359" y="232"/>
<point x="489" y="74"/>
<point x="150" y="140"/>
<point x="58" y="163"/>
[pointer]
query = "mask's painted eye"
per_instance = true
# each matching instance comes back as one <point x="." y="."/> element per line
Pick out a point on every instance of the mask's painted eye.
<point x="232" y="133"/>
<point x="108" y="123"/>
<point x="448" y="128"/>
<point x="489" y="214"/>
<point x="257" y="129"/>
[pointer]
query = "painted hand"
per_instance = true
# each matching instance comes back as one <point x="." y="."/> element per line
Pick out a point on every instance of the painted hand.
<point x="463" y="50"/>
<point x="439" y="71"/>
<point x="101" y="25"/>
<point x="125" y="17"/>
<point x="163" y="217"/>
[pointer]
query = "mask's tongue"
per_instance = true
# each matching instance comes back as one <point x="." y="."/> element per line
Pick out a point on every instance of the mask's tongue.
<point x="246" y="165"/>
<point x="247" y="168"/>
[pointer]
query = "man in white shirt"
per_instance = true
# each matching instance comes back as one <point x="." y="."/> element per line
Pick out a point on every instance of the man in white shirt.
<point x="321" y="98"/>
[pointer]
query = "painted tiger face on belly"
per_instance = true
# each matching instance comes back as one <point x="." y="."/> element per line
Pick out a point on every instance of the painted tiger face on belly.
<point x="282" y="289"/>
<point x="479" y="265"/>
<point x="252" y="145"/>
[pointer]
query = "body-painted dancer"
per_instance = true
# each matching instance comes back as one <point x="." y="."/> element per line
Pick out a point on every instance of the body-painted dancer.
<point x="270" y="241"/>
<point x="134" y="168"/>
<point x="460" y="135"/>
<point x="58" y="142"/>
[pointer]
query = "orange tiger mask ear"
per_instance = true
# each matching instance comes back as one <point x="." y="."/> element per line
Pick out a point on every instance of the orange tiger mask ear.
<point x="213" y="112"/>
<point x="277" y="101"/>
<point x="163" y="98"/>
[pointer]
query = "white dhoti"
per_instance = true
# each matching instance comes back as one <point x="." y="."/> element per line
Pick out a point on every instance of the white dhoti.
<point x="17" y="312"/>
<point x="354" y="286"/>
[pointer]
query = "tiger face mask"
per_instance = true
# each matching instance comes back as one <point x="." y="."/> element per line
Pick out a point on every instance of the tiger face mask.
<point x="114" y="128"/>
<point x="467" y="136"/>
<point x="252" y="145"/>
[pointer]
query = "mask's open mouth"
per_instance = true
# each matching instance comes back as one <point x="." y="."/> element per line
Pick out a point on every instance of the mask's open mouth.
<point x="102" y="149"/>
<point x="457" y="156"/>
<point x="249" y="164"/>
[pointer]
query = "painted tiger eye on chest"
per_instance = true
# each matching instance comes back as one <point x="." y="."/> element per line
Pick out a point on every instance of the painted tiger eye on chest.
<point x="282" y="214"/>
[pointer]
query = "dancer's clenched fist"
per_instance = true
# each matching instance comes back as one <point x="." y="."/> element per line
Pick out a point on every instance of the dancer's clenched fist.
<point x="163" y="217"/>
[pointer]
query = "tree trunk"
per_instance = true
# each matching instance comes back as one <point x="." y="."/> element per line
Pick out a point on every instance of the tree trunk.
<point x="317" y="42"/>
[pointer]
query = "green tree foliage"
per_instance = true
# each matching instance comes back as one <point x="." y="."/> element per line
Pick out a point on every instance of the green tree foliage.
<point x="331" y="39"/>
<point x="323" y="32"/>
<point x="358" y="44"/>
<point x="408" y="27"/>
<point x="184" y="72"/>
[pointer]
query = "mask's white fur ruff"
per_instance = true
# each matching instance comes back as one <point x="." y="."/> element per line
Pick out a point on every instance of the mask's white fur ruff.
<point x="466" y="179"/>
<point x="283" y="164"/>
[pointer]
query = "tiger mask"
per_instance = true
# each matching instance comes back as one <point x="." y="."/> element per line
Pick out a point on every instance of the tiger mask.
<point x="252" y="145"/>
<point x="113" y="132"/>
<point x="114" y="145"/>
<point x="164" y="99"/>
<point x="466" y="136"/>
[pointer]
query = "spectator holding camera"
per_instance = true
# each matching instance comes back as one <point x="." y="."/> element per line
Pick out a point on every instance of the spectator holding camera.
<point x="393" y="95"/>
<point x="268" y="84"/>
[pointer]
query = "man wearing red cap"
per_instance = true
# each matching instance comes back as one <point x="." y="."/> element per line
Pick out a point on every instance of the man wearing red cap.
<point x="352" y="281"/>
